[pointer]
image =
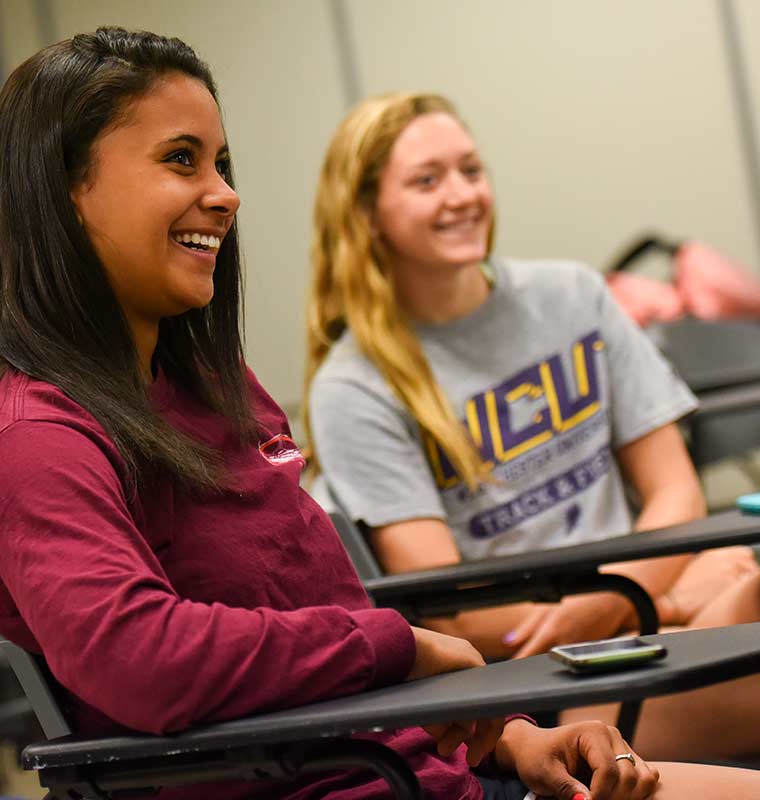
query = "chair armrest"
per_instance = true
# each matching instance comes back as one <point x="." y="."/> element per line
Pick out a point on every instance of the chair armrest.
<point x="36" y="689"/>
<point x="695" y="659"/>
<point x="95" y="769"/>
<point x="727" y="401"/>
<point x="415" y="588"/>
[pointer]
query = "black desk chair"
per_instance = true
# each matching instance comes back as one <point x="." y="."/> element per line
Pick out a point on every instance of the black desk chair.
<point x="711" y="355"/>
<point x="479" y="583"/>
<point x="543" y="576"/>
<point x="315" y="737"/>
<point x="18" y="725"/>
<point x="720" y="362"/>
<point x="721" y="356"/>
<point x="97" y="768"/>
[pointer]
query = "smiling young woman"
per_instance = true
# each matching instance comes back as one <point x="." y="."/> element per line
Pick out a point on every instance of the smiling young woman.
<point x="156" y="546"/>
<point x="156" y="180"/>
<point x="434" y="212"/>
<point x="92" y="299"/>
<point x="463" y="405"/>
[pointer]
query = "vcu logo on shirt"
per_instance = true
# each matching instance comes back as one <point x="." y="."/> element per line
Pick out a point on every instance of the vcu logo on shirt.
<point x="528" y="409"/>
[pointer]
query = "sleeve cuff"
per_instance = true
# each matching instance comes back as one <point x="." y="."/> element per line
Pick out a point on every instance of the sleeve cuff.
<point x="392" y="641"/>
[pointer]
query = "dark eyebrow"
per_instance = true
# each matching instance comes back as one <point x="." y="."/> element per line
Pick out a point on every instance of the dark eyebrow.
<point x="197" y="143"/>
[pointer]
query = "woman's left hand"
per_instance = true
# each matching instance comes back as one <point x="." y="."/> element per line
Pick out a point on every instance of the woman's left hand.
<point x="579" y="618"/>
<point x="549" y="759"/>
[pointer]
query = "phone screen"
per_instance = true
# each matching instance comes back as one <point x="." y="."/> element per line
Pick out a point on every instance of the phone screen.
<point x="605" y="646"/>
<point x="607" y="654"/>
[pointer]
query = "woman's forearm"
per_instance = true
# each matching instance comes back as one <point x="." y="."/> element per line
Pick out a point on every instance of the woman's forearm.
<point x="669" y="505"/>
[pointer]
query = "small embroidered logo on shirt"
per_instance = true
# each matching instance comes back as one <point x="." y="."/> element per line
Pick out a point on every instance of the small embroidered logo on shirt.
<point x="281" y="449"/>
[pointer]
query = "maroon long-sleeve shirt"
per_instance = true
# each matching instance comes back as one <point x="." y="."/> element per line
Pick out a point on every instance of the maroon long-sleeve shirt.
<point x="167" y="609"/>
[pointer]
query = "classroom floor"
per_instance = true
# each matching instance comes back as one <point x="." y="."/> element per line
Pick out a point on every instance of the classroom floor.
<point x="14" y="782"/>
<point x="724" y="481"/>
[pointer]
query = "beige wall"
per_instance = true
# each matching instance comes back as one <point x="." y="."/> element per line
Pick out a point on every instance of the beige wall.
<point x="20" y="33"/>
<point x="599" y="118"/>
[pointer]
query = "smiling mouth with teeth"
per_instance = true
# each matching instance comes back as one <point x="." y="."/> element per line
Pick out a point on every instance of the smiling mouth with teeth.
<point x="198" y="241"/>
<point x="467" y="223"/>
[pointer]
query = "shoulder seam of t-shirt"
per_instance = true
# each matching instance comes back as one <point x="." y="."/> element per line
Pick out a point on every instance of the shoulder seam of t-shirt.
<point x="578" y="266"/>
<point x="512" y="267"/>
<point x="668" y="414"/>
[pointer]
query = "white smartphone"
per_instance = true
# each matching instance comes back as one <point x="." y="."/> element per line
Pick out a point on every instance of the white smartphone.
<point x="607" y="654"/>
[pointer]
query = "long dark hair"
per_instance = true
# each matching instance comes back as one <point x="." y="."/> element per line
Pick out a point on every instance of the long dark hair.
<point x="59" y="319"/>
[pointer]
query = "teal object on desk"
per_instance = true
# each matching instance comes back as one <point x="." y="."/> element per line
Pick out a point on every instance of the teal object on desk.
<point x="749" y="503"/>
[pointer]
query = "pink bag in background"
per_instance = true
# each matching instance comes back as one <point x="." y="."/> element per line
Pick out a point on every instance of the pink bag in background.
<point x="644" y="299"/>
<point x="705" y="284"/>
<point x="712" y="287"/>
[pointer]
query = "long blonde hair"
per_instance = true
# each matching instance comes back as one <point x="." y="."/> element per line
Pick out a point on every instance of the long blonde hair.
<point x="352" y="286"/>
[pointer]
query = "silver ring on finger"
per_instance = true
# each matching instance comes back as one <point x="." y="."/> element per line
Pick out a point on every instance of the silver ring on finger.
<point x="626" y="757"/>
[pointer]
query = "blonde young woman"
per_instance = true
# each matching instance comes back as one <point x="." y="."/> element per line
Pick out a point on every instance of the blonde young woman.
<point x="463" y="406"/>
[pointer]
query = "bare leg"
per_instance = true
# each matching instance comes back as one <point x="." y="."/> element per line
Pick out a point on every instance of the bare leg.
<point x="739" y="603"/>
<point x="719" y="721"/>
<point x="692" y="781"/>
<point x="705" y="782"/>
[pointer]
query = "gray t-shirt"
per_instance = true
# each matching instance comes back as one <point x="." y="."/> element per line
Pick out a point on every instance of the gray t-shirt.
<point x="549" y="375"/>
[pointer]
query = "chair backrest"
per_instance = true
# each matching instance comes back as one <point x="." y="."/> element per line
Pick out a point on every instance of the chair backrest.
<point x="720" y="362"/>
<point x="716" y="435"/>
<point x="351" y="535"/>
<point x="711" y="355"/>
<point x="17" y="723"/>
<point x="37" y="691"/>
<point x="356" y="545"/>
